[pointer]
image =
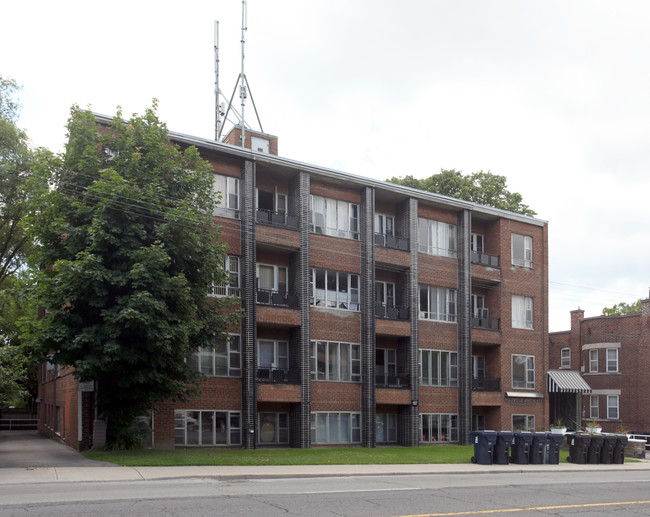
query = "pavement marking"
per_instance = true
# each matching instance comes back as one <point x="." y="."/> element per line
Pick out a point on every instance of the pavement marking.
<point x="531" y="509"/>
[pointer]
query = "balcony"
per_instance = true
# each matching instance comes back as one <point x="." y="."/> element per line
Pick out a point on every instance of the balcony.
<point x="391" y="312"/>
<point x="485" y="323"/>
<point x="385" y="380"/>
<point x="278" y="375"/>
<point x="486" y="384"/>
<point x="277" y="299"/>
<point x="485" y="259"/>
<point x="279" y="219"/>
<point x="392" y="242"/>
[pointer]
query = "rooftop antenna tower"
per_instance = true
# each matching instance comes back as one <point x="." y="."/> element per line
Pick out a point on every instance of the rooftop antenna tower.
<point x="242" y="84"/>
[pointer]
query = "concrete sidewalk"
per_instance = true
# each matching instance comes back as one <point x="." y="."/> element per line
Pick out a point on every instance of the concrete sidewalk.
<point x="81" y="474"/>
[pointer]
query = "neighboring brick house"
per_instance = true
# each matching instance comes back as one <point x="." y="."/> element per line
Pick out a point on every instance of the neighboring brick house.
<point x="374" y="313"/>
<point x="611" y="354"/>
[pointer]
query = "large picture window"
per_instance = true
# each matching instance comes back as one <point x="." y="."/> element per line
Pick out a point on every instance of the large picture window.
<point x="522" y="250"/>
<point x="439" y="427"/>
<point x="523" y="372"/>
<point x="336" y="428"/>
<point x="222" y="361"/>
<point x="438" y="368"/>
<point x="273" y="428"/>
<point x="437" y="303"/>
<point x="335" y="289"/>
<point x="334" y="361"/>
<point x="208" y="428"/>
<point x="228" y="188"/>
<point x="436" y="237"/>
<point x="386" y="427"/>
<point x="523" y="422"/>
<point x="334" y="217"/>
<point x="522" y="312"/>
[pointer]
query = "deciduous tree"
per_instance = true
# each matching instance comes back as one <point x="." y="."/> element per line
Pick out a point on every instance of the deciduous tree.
<point x="623" y="308"/>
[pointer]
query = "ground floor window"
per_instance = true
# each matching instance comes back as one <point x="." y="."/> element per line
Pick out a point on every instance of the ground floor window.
<point x="523" y="422"/>
<point x="439" y="427"/>
<point x="386" y="426"/>
<point x="207" y="427"/>
<point x="274" y="428"/>
<point x="335" y="427"/>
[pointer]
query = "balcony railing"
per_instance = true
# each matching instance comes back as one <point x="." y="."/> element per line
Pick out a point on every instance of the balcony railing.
<point x="485" y="323"/>
<point x="280" y="219"/>
<point x="485" y="259"/>
<point x="486" y="384"/>
<point x="278" y="375"/>
<point x="390" y="241"/>
<point x="268" y="297"/>
<point x="224" y="290"/>
<point x="385" y="380"/>
<point x="391" y="312"/>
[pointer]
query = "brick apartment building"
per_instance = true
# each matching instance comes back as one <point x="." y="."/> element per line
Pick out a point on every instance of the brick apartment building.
<point x="610" y="352"/>
<point x="374" y="314"/>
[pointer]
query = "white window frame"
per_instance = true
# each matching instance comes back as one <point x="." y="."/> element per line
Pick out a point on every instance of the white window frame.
<point x="436" y="237"/>
<point x="277" y="272"/>
<point x="334" y="361"/>
<point x="386" y="427"/>
<point x="335" y="298"/>
<point x="228" y="188"/>
<point x="385" y="224"/>
<point x="565" y="358"/>
<point x="528" y="363"/>
<point x="335" y="427"/>
<point x="231" y="265"/>
<point x="385" y="293"/>
<point x="445" y="423"/>
<point x="594" y="406"/>
<point x="280" y="354"/>
<point x="522" y="312"/>
<point x="182" y="423"/>
<point x="612" y="407"/>
<point x="478" y="243"/>
<point x="593" y="360"/>
<point x="280" y="423"/>
<point x="611" y="356"/>
<point x="385" y="361"/>
<point x="528" y="422"/>
<point x="479" y="309"/>
<point x="441" y="296"/>
<point x="334" y="217"/>
<point x="522" y="250"/>
<point x="438" y="368"/>
<point x="279" y="200"/>
<point x="478" y="367"/>
<point x="206" y="360"/>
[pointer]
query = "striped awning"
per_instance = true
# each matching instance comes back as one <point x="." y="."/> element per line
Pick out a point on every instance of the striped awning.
<point x="567" y="381"/>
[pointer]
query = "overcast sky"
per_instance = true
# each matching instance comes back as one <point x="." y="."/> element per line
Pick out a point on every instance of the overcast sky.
<point x="554" y="95"/>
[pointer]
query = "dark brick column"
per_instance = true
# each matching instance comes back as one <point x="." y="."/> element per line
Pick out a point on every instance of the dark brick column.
<point x="463" y="301"/>
<point x="412" y="435"/>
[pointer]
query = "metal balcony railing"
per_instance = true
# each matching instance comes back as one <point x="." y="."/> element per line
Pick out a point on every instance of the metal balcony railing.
<point x="268" y="297"/>
<point x="390" y="241"/>
<point x="391" y="312"/>
<point x="278" y="375"/>
<point x="485" y="323"/>
<point x="486" y="384"/>
<point x="485" y="259"/>
<point x="281" y="219"/>
<point x="385" y="380"/>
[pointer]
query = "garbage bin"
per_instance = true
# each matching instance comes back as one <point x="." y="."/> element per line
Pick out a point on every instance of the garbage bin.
<point x="538" y="448"/>
<point x="607" y="449"/>
<point x="521" y="447"/>
<point x="502" y="447"/>
<point x="578" y="447"/>
<point x="596" y="444"/>
<point x="554" y="444"/>
<point x="483" y="446"/>
<point x="619" y="449"/>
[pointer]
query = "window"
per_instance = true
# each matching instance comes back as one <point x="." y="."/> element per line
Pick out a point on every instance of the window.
<point x="273" y="428"/>
<point x="222" y="361"/>
<point x="437" y="303"/>
<point x="231" y="265"/>
<point x="438" y="368"/>
<point x="207" y="427"/>
<point x="386" y="367"/>
<point x="335" y="289"/>
<point x="333" y="361"/>
<point x="386" y="427"/>
<point x="334" y="217"/>
<point x="612" y="407"/>
<point x="593" y="360"/>
<point x="273" y="354"/>
<point x="565" y="358"/>
<point x="439" y="427"/>
<point x="612" y="360"/>
<point x="523" y="372"/>
<point x="477" y="243"/>
<point x="523" y="422"/>
<point x="271" y="201"/>
<point x="479" y="310"/>
<point x="227" y="188"/>
<point x="385" y="294"/>
<point x="522" y="312"/>
<point x="335" y="428"/>
<point x="384" y="224"/>
<point x="270" y="279"/>
<point x="478" y="367"/>
<point x="437" y="238"/>
<point x="522" y="250"/>
<point x="593" y="406"/>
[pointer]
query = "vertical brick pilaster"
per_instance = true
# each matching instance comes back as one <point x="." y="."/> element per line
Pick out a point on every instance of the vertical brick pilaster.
<point x="464" y="298"/>
<point x="368" y="393"/>
<point x="412" y="416"/>
<point x="249" y="324"/>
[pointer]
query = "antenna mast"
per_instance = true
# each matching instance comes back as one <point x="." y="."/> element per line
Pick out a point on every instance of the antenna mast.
<point x="242" y="75"/>
<point x="217" y="106"/>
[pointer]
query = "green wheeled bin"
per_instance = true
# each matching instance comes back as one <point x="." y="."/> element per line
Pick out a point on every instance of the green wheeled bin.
<point x="619" y="449"/>
<point x="502" y="447"/>
<point x="578" y="447"/>
<point x="596" y="444"/>
<point x="483" y="446"/>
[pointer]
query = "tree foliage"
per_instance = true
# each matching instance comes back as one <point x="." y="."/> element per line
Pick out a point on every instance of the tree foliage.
<point x="623" y="308"/>
<point x="128" y="251"/>
<point x="483" y="188"/>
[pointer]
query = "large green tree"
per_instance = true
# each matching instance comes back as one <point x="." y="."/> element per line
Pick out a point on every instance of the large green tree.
<point x="128" y="251"/>
<point x="480" y="187"/>
<point x="623" y="308"/>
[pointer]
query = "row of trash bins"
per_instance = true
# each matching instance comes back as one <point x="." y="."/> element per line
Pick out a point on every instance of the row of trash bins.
<point x="523" y="448"/>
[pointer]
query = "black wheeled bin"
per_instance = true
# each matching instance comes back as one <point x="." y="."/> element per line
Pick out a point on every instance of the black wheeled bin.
<point x="538" y="448"/>
<point x="502" y="447"/>
<point x="607" y="449"/>
<point x="578" y="447"/>
<point x="521" y="447"/>
<point x="619" y="449"/>
<point x="596" y="444"/>
<point x="554" y="442"/>
<point x="483" y="446"/>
